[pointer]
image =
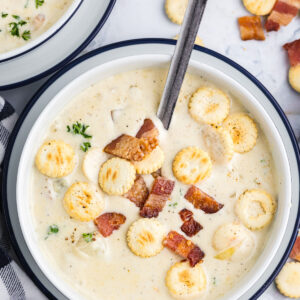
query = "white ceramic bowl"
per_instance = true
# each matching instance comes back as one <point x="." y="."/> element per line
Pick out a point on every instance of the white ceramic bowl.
<point x="123" y="57"/>
<point x="44" y="36"/>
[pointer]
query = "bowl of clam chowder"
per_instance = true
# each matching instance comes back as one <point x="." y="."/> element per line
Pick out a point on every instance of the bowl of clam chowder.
<point x="25" y="24"/>
<point x="113" y="206"/>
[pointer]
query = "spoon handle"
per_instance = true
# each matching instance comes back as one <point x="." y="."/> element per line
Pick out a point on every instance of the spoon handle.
<point x="180" y="60"/>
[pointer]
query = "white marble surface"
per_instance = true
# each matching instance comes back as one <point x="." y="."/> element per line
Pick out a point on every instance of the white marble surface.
<point x="219" y="31"/>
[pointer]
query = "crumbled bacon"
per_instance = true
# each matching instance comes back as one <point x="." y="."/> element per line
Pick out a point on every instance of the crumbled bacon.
<point x="190" y="226"/>
<point x="138" y="192"/>
<point x="202" y="201"/>
<point x="160" y="193"/>
<point x="251" y="28"/>
<point x="183" y="247"/>
<point x="293" y="50"/>
<point x="295" y="254"/>
<point x="282" y="13"/>
<point x="149" y="132"/>
<point x="185" y="214"/>
<point x="109" y="222"/>
<point x="129" y="147"/>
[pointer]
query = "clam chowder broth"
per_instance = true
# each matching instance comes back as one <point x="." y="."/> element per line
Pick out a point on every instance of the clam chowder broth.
<point x="237" y="177"/>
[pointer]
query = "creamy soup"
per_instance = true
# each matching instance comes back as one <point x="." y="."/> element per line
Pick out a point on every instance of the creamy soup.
<point x="99" y="267"/>
<point x="22" y="21"/>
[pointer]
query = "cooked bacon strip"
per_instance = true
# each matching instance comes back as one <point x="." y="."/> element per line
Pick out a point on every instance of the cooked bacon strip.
<point x="251" y="28"/>
<point x="295" y="254"/>
<point x="149" y="132"/>
<point x="293" y="50"/>
<point x="185" y="214"/>
<point x="190" y="226"/>
<point x="129" y="147"/>
<point x="202" y="201"/>
<point x="109" y="222"/>
<point x="282" y="13"/>
<point x="138" y="192"/>
<point x="160" y="193"/>
<point x="183" y="247"/>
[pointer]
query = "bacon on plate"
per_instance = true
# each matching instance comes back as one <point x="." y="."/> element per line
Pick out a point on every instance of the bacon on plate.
<point x="293" y="50"/>
<point x="183" y="247"/>
<point x="160" y="193"/>
<point x="108" y="222"/>
<point x="138" y="192"/>
<point x="251" y="28"/>
<point x="202" y="201"/>
<point x="282" y="14"/>
<point x="129" y="147"/>
<point x="190" y="226"/>
<point x="295" y="254"/>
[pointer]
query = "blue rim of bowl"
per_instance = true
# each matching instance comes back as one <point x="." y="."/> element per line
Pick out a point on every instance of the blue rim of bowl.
<point x="69" y="57"/>
<point x="46" y="39"/>
<point x="97" y="51"/>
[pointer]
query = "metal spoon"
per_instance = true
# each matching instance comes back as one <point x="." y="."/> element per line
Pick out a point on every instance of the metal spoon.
<point x="180" y="60"/>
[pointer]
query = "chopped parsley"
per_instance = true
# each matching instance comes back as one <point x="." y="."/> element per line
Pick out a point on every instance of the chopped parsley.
<point x="26" y="35"/>
<point x="39" y="3"/>
<point x="85" y="146"/>
<point x="16" y="17"/>
<point x="88" y="237"/>
<point x="15" y="28"/>
<point x="173" y="204"/>
<point x="53" y="229"/>
<point x="78" y="128"/>
<point x="4" y="15"/>
<point x="262" y="160"/>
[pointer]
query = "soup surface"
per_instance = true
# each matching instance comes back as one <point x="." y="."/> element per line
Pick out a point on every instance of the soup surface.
<point x="99" y="267"/>
<point x="22" y="21"/>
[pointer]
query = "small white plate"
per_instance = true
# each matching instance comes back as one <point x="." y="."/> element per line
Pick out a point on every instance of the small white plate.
<point x="59" y="49"/>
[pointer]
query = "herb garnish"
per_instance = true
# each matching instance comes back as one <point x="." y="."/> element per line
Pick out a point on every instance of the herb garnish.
<point x="39" y="3"/>
<point x="173" y="204"/>
<point x="78" y="128"/>
<point x="88" y="237"/>
<point x="85" y="146"/>
<point x="15" y="28"/>
<point x="4" y="15"/>
<point x="26" y="35"/>
<point x="53" y="229"/>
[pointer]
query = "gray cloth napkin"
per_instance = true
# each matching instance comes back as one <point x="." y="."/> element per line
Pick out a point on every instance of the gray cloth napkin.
<point x="14" y="283"/>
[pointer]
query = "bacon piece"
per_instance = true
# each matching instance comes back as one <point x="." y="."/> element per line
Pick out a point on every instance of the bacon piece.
<point x="138" y="192"/>
<point x="129" y="147"/>
<point x="149" y="132"/>
<point x="190" y="226"/>
<point x="293" y="50"/>
<point x="109" y="222"/>
<point x="160" y="193"/>
<point x="185" y="214"/>
<point x="282" y="13"/>
<point x="202" y="201"/>
<point x="183" y="247"/>
<point x="295" y="254"/>
<point x="251" y="28"/>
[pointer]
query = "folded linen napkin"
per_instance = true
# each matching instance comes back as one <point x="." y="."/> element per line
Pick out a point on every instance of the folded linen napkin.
<point x="14" y="283"/>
